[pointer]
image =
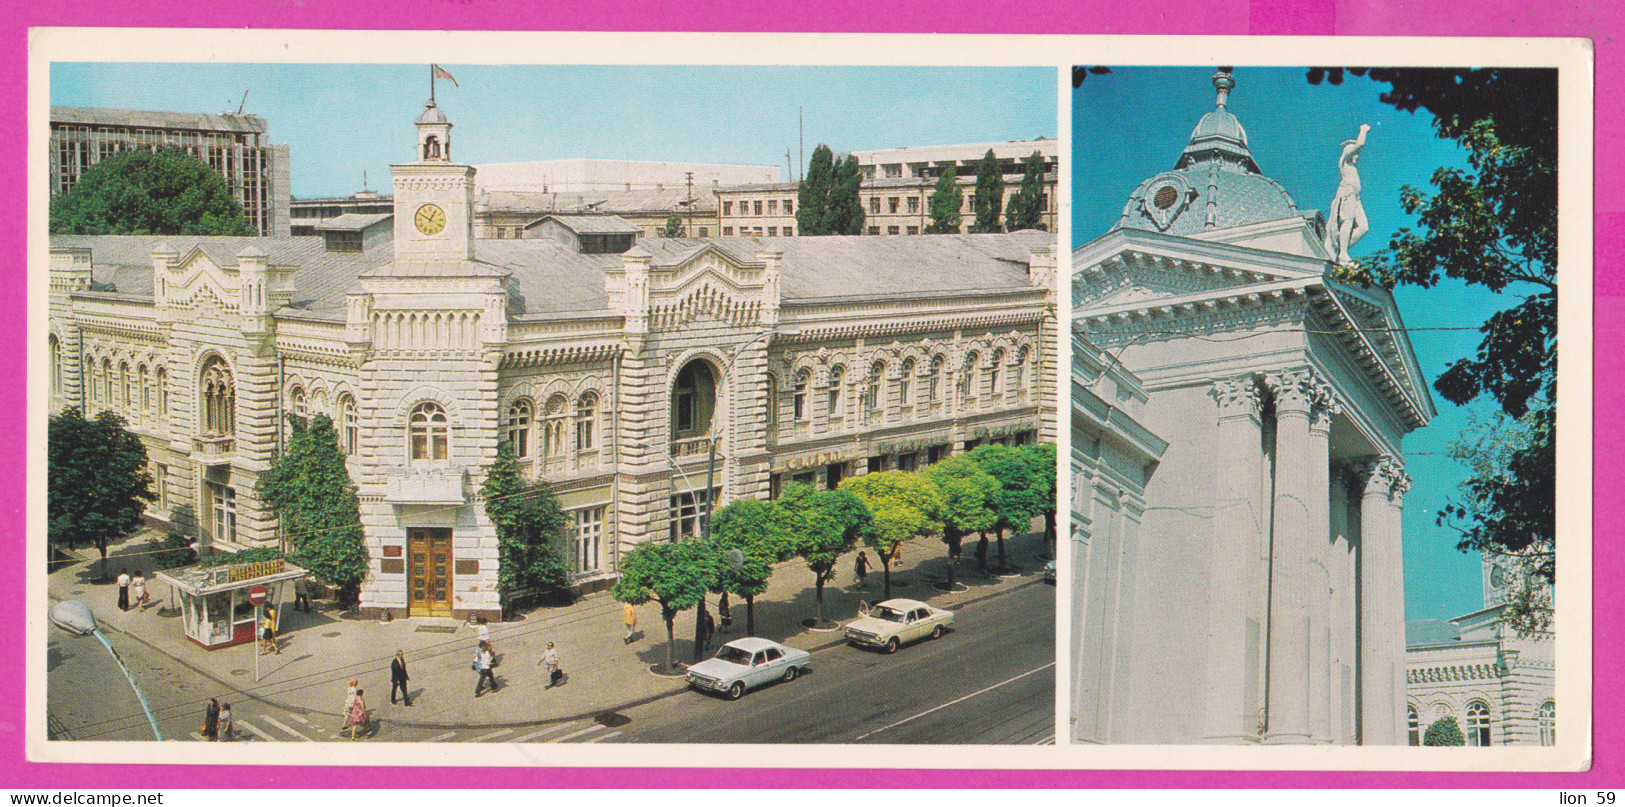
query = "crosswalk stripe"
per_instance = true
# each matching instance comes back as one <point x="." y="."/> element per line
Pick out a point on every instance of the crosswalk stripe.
<point x="300" y="718"/>
<point x="549" y="730"/>
<point x="251" y="727"/>
<point x="591" y="728"/>
<point x="603" y="738"/>
<point x="285" y="727"/>
<point x="498" y="733"/>
<point x="448" y="735"/>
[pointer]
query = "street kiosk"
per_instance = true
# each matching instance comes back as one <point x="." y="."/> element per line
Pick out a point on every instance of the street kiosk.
<point x="216" y="602"/>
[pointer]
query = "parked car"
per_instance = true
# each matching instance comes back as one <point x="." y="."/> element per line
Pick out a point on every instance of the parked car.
<point x="893" y="622"/>
<point x="1049" y="572"/>
<point x="747" y="664"/>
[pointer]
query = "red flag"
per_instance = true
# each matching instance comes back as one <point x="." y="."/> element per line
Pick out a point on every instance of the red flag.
<point x="440" y="72"/>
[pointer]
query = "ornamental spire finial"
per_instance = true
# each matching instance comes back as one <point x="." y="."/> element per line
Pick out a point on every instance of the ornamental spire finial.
<point x="1224" y="83"/>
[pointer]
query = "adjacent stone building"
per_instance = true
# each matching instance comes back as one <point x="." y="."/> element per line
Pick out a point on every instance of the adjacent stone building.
<point x="614" y="370"/>
<point x="1243" y="582"/>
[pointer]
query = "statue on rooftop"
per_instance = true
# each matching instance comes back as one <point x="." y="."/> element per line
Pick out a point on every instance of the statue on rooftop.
<point x="1345" y="221"/>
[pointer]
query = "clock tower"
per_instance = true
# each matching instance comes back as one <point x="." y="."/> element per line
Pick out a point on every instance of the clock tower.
<point x="434" y="197"/>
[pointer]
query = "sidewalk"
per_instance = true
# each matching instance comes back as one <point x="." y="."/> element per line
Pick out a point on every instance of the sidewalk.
<point x="321" y="652"/>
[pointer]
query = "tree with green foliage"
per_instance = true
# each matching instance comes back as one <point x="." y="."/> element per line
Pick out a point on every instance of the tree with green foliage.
<point x="1041" y="457"/>
<point x="148" y="192"/>
<point x="675" y="575"/>
<point x="1026" y="210"/>
<point x="989" y="194"/>
<point x="844" y="213"/>
<point x="1444" y="731"/>
<point x="812" y="199"/>
<point x="945" y="204"/>
<point x="310" y="490"/>
<point x="673" y="228"/>
<point x="97" y="485"/>
<point x="529" y="525"/>
<point x="1021" y="494"/>
<point x="967" y="502"/>
<point x="823" y="524"/>
<point x="757" y="530"/>
<point x="901" y="505"/>
<point x="1494" y="225"/>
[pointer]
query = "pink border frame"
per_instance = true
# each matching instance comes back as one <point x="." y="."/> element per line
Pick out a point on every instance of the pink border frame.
<point x="1233" y="17"/>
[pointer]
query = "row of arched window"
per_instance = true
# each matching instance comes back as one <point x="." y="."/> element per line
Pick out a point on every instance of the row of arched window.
<point x="1477" y="728"/>
<point x="560" y="427"/>
<point x="134" y="390"/>
<point x="915" y="385"/>
<point x="343" y="413"/>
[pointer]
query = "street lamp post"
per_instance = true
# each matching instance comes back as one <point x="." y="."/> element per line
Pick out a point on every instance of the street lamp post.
<point x="711" y="461"/>
<point x="76" y="617"/>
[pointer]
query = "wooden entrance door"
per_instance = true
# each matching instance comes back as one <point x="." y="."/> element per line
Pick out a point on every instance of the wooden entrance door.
<point x="429" y="574"/>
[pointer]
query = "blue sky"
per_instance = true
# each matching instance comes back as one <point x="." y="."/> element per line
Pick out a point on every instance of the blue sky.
<point x="341" y="120"/>
<point x="1133" y="122"/>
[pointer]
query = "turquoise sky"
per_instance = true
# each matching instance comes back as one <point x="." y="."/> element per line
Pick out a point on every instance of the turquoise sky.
<point x="1133" y="122"/>
<point x="341" y="120"/>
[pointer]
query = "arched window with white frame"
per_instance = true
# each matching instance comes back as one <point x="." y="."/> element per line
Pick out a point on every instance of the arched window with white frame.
<point x="298" y="403"/>
<point x="832" y="406"/>
<point x="555" y="415"/>
<point x="144" y="387"/>
<point x="56" y="365"/>
<point x="933" y="380"/>
<point x="993" y="369"/>
<point x="429" y="433"/>
<point x="586" y="421"/>
<point x="905" y="377"/>
<point x="874" y="397"/>
<point x="125" y="386"/>
<point x="1548" y="723"/>
<point x="969" y="376"/>
<point x="519" y="413"/>
<point x="350" y="424"/>
<point x="1478" y="723"/>
<point x="798" y="402"/>
<point x="1413" y="725"/>
<point x="109" y="399"/>
<point x="162" y="379"/>
<point x="1019" y="371"/>
<point x="219" y="398"/>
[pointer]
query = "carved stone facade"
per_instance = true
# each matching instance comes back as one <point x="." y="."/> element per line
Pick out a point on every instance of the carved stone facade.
<point x="1253" y="593"/>
<point x="618" y="376"/>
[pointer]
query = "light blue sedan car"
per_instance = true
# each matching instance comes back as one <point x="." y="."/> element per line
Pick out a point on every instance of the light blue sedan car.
<point x="746" y="664"/>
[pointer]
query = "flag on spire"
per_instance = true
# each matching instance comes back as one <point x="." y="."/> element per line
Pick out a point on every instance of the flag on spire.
<point x="440" y="72"/>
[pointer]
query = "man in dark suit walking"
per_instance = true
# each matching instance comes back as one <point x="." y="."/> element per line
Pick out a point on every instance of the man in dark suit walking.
<point x="398" y="678"/>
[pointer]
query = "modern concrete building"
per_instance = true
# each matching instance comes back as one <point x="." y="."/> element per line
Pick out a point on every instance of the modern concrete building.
<point x="508" y="214"/>
<point x="890" y="206"/>
<point x="591" y="176"/>
<point x="928" y="162"/>
<point x="307" y="214"/>
<point x="1243" y="584"/>
<point x="614" y="373"/>
<point x="235" y="146"/>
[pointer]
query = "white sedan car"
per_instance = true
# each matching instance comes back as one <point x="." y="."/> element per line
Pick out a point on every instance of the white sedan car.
<point x="893" y="622"/>
<point x="746" y="664"/>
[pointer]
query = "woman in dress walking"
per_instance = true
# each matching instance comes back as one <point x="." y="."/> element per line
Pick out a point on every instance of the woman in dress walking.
<point x="138" y="591"/>
<point x="355" y="720"/>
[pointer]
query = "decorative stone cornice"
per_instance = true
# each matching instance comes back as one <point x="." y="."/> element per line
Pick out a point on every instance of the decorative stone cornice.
<point x="1453" y="672"/>
<point x="1237" y="397"/>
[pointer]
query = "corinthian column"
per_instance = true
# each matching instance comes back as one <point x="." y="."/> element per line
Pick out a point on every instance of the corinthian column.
<point x="1289" y="559"/>
<point x="1381" y="654"/>
<point x="1230" y="714"/>
<point x="1320" y="675"/>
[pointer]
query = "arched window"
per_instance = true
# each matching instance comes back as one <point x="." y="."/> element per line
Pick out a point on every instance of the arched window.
<point x="798" y="403"/>
<point x="89" y="383"/>
<point x="318" y="403"/>
<point x="56" y="365"/>
<point x="993" y="372"/>
<point x="872" y="397"/>
<point x="163" y="391"/>
<point x="1413" y="725"/>
<point x="905" y="376"/>
<point x="1020" y="369"/>
<point x="933" y="382"/>
<point x="694" y="399"/>
<point x="968" y="377"/>
<point x="297" y="402"/>
<point x="125" y="387"/>
<point x="143" y="384"/>
<point x="219" y="398"/>
<point x="586" y="420"/>
<point x="772" y="400"/>
<point x="837" y="377"/>
<point x="1548" y="723"/>
<point x="429" y="432"/>
<point x="350" y="423"/>
<point x="519" y="427"/>
<point x="1478" y="723"/>
<point x="108" y="382"/>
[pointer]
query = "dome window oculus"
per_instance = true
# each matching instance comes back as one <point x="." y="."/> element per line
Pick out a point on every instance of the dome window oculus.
<point x="1165" y="198"/>
<point x="430" y="219"/>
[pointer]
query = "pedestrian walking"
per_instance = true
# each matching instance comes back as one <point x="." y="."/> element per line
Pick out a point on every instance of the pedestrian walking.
<point x="860" y="567"/>
<point x="482" y="665"/>
<point x="708" y="630"/>
<point x="629" y="615"/>
<point x="981" y="555"/>
<point x="211" y="721"/>
<point x="123" y="590"/>
<point x="349" y="700"/>
<point x="138" y="590"/>
<point x="268" y="633"/>
<point x="227" y="731"/>
<point x="550" y="664"/>
<point x="897" y="556"/>
<point x="483" y="633"/>
<point x="355" y="719"/>
<point x="724" y="612"/>
<point x="398" y="678"/>
<point x="301" y="595"/>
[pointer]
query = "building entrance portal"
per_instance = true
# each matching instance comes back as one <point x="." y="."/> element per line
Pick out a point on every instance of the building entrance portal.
<point x="429" y="576"/>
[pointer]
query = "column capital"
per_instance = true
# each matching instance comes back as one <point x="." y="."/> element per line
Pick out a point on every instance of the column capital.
<point x="1237" y="397"/>
<point x="1295" y="390"/>
<point x="1384" y="475"/>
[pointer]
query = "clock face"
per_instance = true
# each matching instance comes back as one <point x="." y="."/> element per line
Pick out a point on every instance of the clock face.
<point x="430" y="219"/>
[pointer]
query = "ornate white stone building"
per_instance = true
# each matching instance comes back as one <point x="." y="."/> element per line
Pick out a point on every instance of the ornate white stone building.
<point x="615" y="374"/>
<point x="1499" y="684"/>
<point x="1243" y="584"/>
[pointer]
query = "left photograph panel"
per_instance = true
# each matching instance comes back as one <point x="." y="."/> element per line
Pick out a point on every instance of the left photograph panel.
<point x="471" y="403"/>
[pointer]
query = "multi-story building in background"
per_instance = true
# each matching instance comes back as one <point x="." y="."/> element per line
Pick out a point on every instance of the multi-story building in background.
<point x="307" y="214"/>
<point x="236" y="146"/>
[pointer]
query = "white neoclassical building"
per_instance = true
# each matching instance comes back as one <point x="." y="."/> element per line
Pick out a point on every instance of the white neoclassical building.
<point x="1236" y="542"/>
<point x="615" y="368"/>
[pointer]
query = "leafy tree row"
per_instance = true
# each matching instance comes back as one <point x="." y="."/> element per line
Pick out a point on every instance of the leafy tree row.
<point x="993" y="488"/>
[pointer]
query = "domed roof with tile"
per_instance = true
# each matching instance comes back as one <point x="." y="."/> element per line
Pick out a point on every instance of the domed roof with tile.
<point x="1216" y="184"/>
<point x="431" y="114"/>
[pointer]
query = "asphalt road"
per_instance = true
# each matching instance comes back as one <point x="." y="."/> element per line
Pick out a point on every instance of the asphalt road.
<point x="991" y="680"/>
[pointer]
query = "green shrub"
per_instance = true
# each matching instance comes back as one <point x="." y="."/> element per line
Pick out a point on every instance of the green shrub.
<point x="1444" y="731"/>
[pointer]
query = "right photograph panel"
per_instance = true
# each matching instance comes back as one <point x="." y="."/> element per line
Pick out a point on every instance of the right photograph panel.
<point x="1314" y="348"/>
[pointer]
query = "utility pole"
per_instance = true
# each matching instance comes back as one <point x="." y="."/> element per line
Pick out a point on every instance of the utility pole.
<point x="801" y="142"/>
<point x="789" y="170"/>
<point x="690" y="232"/>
